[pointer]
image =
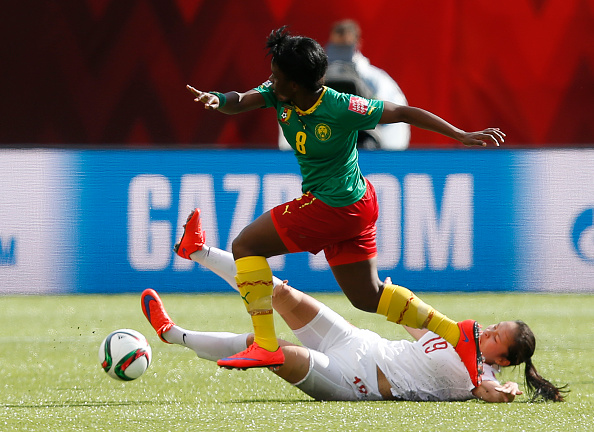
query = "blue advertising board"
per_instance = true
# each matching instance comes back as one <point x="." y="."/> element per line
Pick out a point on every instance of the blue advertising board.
<point x="445" y="220"/>
<point x="105" y="221"/>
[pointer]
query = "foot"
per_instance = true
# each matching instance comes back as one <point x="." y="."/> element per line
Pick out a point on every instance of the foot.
<point x="192" y="239"/>
<point x="253" y="356"/>
<point x="155" y="313"/>
<point x="469" y="350"/>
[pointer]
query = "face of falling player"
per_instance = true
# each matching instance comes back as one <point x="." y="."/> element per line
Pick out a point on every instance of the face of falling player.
<point x="496" y="340"/>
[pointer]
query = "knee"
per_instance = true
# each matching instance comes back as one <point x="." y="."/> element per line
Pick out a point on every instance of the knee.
<point x="281" y="295"/>
<point x="282" y="291"/>
<point x="238" y="248"/>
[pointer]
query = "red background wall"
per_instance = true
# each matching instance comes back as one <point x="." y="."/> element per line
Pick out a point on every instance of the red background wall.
<point x="114" y="71"/>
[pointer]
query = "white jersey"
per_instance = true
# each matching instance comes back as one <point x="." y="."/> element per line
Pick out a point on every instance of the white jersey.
<point x="344" y="361"/>
<point x="426" y="370"/>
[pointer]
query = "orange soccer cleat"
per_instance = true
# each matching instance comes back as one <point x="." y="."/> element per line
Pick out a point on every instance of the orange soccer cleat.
<point x="192" y="239"/>
<point x="155" y="313"/>
<point x="253" y="356"/>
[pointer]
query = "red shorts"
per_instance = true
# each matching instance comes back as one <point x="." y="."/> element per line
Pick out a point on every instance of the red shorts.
<point x="345" y="234"/>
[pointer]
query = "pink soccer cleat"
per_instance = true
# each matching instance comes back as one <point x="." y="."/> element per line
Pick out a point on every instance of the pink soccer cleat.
<point x="192" y="239"/>
<point x="155" y="313"/>
<point x="254" y="356"/>
<point x="469" y="350"/>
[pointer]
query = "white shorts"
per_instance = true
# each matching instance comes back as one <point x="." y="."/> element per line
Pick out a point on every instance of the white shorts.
<point x="340" y="367"/>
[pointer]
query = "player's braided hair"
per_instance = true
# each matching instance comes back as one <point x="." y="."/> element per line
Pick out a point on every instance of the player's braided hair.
<point x="521" y="352"/>
<point x="301" y="59"/>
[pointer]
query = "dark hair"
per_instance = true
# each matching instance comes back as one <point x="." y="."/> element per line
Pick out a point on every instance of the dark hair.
<point x="522" y="351"/>
<point x="300" y="58"/>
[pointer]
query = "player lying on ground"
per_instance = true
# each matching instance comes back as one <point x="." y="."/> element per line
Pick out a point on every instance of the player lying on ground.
<point x="338" y="209"/>
<point x="397" y="303"/>
<point x="341" y="362"/>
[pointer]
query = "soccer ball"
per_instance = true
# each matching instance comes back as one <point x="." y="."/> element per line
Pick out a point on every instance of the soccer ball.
<point x="125" y="354"/>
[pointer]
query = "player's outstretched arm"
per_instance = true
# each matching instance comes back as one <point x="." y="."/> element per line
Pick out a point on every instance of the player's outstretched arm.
<point x="491" y="391"/>
<point x="228" y="103"/>
<point x="425" y="120"/>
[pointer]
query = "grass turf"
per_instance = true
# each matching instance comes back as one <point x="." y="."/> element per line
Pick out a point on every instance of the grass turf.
<point x="50" y="378"/>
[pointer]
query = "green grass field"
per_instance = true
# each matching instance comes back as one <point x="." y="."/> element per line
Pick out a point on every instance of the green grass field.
<point x="50" y="378"/>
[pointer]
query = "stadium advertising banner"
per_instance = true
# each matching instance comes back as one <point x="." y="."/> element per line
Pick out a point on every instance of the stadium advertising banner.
<point x="37" y="226"/>
<point x="105" y="221"/>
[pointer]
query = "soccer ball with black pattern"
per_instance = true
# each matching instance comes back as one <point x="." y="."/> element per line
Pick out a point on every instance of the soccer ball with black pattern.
<point x="125" y="354"/>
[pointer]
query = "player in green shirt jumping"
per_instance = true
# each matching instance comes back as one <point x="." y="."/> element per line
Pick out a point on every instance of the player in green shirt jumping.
<point x="338" y="209"/>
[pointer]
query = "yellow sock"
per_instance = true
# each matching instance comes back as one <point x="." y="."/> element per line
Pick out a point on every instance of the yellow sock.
<point x="402" y="306"/>
<point x="254" y="281"/>
<point x="445" y="327"/>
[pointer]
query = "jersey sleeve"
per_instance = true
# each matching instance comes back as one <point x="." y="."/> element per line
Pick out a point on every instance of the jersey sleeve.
<point x="265" y="89"/>
<point x="360" y="113"/>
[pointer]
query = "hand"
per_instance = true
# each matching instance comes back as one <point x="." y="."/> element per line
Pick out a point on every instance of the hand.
<point x="209" y="100"/>
<point x="509" y="388"/>
<point x="491" y="135"/>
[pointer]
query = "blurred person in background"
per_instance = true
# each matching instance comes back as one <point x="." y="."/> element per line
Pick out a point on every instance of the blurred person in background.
<point x="344" y="53"/>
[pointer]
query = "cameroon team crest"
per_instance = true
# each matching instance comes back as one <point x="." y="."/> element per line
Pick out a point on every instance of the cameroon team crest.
<point x="286" y="114"/>
<point x="323" y="132"/>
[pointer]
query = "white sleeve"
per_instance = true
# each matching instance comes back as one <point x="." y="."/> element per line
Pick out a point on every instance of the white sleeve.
<point x="395" y="136"/>
<point x="489" y="373"/>
<point x="283" y="144"/>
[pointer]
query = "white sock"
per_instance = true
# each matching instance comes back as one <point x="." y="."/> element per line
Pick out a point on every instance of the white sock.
<point x="207" y="345"/>
<point x="221" y="263"/>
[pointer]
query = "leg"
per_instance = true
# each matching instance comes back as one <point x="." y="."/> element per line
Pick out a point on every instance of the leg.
<point x="329" y="338"/>
<point x="318" y="328"/>
<point x="207" y="345"/>
<point x="362" y="286"/>
<point x="402" y="306"/>
<point x="252" y="246"/>
<point x="215" y="345"/>
<point x="254" y="282"/>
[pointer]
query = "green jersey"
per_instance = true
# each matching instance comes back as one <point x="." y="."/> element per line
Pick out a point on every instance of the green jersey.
<point x="324" y="139"/>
